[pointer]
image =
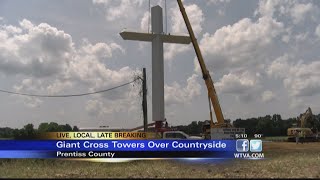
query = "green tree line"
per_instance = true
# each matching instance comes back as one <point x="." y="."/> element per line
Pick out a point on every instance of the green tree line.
<point x="29" y="131"/>
<point x="268" y="125"/>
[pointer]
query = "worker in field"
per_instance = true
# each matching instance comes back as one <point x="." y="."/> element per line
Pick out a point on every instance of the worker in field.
<point x="300" y="137"/>
<point x="304" y="136"/>
<point x="296" y="134"/>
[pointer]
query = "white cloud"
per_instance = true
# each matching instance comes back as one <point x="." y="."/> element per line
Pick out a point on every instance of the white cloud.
<point x="42" y="59"/>
<point x="285" y="38"/>
<point x="317" y="31"/>
<point x="31" y="102"/>
<point x="304" y="80"/>
<point x="270" y="7"/>
<point x="195" y="16"/>
<point x="279" y="66"/>
<point x="237" y="83"/>
<point x="123" y="13"/>
<point x="145" y="22"/>
<point x="101" y="50"/>
<point x="302" y="37"/>
<point x="121" y="9"/>
<point x="106" y="2"/>
<point x="221" y="5"/>
<point x="30" y="85"/>
<point x="96" y="108"/>
<point x="267" y="96"/>
<point x="51" y="52"/>
<point x="117" y="101"/>
<point x="299" y="11"/>
<point x="245" y="86"/>
<point x="175" y="94"/>
<point x="26" y="24"/>
<point x="238" y="53"/>
<point x="12" y="29"/>
<point x="221" y="12"/>
<point x="218" y="1"/>
<point x="241" y="45"/>
<point x="196" y="19"/>
<point x="296" y="10"/>
<point x="40" y="51"/>
<point x="58" y="86"/>
<point x="49" y="63"/>
<point x="130" y="13"/>
<point x="300" y="79"/>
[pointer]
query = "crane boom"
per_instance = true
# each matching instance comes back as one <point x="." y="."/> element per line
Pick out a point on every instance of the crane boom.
<point x="206" y="75"/>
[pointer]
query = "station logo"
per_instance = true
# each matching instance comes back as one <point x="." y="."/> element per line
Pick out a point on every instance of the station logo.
<point x="256" y="145"/>
<point x="242" y="145"/>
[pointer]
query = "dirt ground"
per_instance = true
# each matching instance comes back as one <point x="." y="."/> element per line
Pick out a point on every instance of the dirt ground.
<point x="283" y="160"/>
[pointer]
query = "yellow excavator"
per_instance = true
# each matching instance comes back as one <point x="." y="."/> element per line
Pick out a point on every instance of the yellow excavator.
<point x="303" y="126"/>
<point x="212" y="95"/>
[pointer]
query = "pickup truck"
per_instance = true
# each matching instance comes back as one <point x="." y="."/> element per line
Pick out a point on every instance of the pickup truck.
<point x="178" y="135"/>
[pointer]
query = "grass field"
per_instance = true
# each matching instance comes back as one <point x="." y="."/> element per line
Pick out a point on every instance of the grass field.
<point x="283" y="160"/>
<point x="276" y="138"/>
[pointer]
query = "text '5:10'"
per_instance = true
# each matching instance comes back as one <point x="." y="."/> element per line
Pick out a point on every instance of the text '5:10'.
<point x="241" y="136"/>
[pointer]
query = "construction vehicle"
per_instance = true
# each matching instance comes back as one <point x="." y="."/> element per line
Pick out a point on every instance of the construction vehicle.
<point x="178" y="135"/>
<point x="221" y="125"/>
<point x="171" y="133"/>
<point x="167" y="132"/>
<point x="303" y="124"/>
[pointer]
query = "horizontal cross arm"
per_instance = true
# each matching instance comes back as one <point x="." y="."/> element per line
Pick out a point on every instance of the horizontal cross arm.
<point x="137" y="36"/>
<point x="176" y="39"/>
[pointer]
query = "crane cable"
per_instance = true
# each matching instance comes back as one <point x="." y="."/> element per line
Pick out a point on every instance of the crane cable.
<point x="166" y="17"/>
<point x="69" y="95"/>
<point x="149" y="17"/>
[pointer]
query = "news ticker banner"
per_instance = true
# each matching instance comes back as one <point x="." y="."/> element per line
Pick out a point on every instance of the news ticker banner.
<point x="97" y="135"/>
<point x="96" y="146"/>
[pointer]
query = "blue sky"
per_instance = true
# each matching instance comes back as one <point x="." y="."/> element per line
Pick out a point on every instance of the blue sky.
<point x="263" y="56"/>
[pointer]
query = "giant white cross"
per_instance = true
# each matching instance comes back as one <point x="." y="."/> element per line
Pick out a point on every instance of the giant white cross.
<point x="157" y="37"/>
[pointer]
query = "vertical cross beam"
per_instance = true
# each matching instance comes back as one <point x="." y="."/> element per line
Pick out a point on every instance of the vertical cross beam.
<point x="157" y="37"/>
<point x="157" y="65"/>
